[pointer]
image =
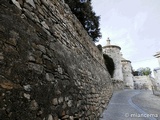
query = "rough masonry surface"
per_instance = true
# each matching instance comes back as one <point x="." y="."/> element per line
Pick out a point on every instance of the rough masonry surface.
<point x="49" y="67"/>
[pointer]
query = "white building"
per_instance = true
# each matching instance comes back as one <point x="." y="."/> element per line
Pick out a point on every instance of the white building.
<point x="156" y="82"/>
<point x="157" y="70"/>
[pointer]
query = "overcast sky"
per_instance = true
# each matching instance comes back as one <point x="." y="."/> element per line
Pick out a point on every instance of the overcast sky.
<point x="134" y="25"/>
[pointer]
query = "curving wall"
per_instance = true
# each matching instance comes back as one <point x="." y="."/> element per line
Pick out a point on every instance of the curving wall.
<point x="49" y="67"/>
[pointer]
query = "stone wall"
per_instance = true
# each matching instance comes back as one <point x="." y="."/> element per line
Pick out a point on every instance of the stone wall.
<point x="117" y="84"/>
<point x="49" y="67"/>
<point x="156" y="81"/>
<point x="143" y="82"/>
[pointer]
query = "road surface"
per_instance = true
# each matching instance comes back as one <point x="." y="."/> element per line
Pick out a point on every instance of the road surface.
<point x="132" y="105"/>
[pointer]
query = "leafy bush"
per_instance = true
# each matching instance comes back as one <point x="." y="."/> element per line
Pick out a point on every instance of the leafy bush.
<point x="99" y="47"/>
<point x="109" y="64"/>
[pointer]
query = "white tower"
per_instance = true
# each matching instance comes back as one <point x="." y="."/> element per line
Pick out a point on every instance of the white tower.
<point x="114" y="52"/>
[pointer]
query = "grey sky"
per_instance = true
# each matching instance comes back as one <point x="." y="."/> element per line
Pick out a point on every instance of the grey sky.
<point x="134" y="25"/>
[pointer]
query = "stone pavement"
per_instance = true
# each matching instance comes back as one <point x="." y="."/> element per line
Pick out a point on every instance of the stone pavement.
<point x="133" y="105"/>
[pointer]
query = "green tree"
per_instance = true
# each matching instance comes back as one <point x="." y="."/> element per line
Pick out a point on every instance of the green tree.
<point x="144" y="71"/>
<point x="83" y="11"/>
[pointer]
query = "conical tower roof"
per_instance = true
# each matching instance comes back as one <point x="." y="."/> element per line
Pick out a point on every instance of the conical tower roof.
<point x="111" y="46"/>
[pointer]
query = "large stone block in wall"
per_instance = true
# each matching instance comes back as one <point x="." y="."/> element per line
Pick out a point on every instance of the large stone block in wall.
<point x="49" y="67"/>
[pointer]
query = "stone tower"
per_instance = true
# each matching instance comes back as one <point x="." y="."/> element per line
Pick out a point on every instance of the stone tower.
<point x="114" y="52"/>
<point x="127" y="73"/>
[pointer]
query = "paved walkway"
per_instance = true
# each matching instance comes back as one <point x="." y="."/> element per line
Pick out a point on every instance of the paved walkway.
<point x="133" y="105"/>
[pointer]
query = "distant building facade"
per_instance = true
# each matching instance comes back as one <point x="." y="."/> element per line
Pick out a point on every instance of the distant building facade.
<point x="156" y="71"/>
<point x="123" y="76"/>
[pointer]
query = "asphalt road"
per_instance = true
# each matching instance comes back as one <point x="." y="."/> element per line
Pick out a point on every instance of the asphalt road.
<point x="132" y="105"/>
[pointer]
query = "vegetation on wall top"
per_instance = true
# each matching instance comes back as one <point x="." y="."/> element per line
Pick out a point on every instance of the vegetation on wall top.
<point x="142" y="71"/>
<point x="83" y="11"/>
